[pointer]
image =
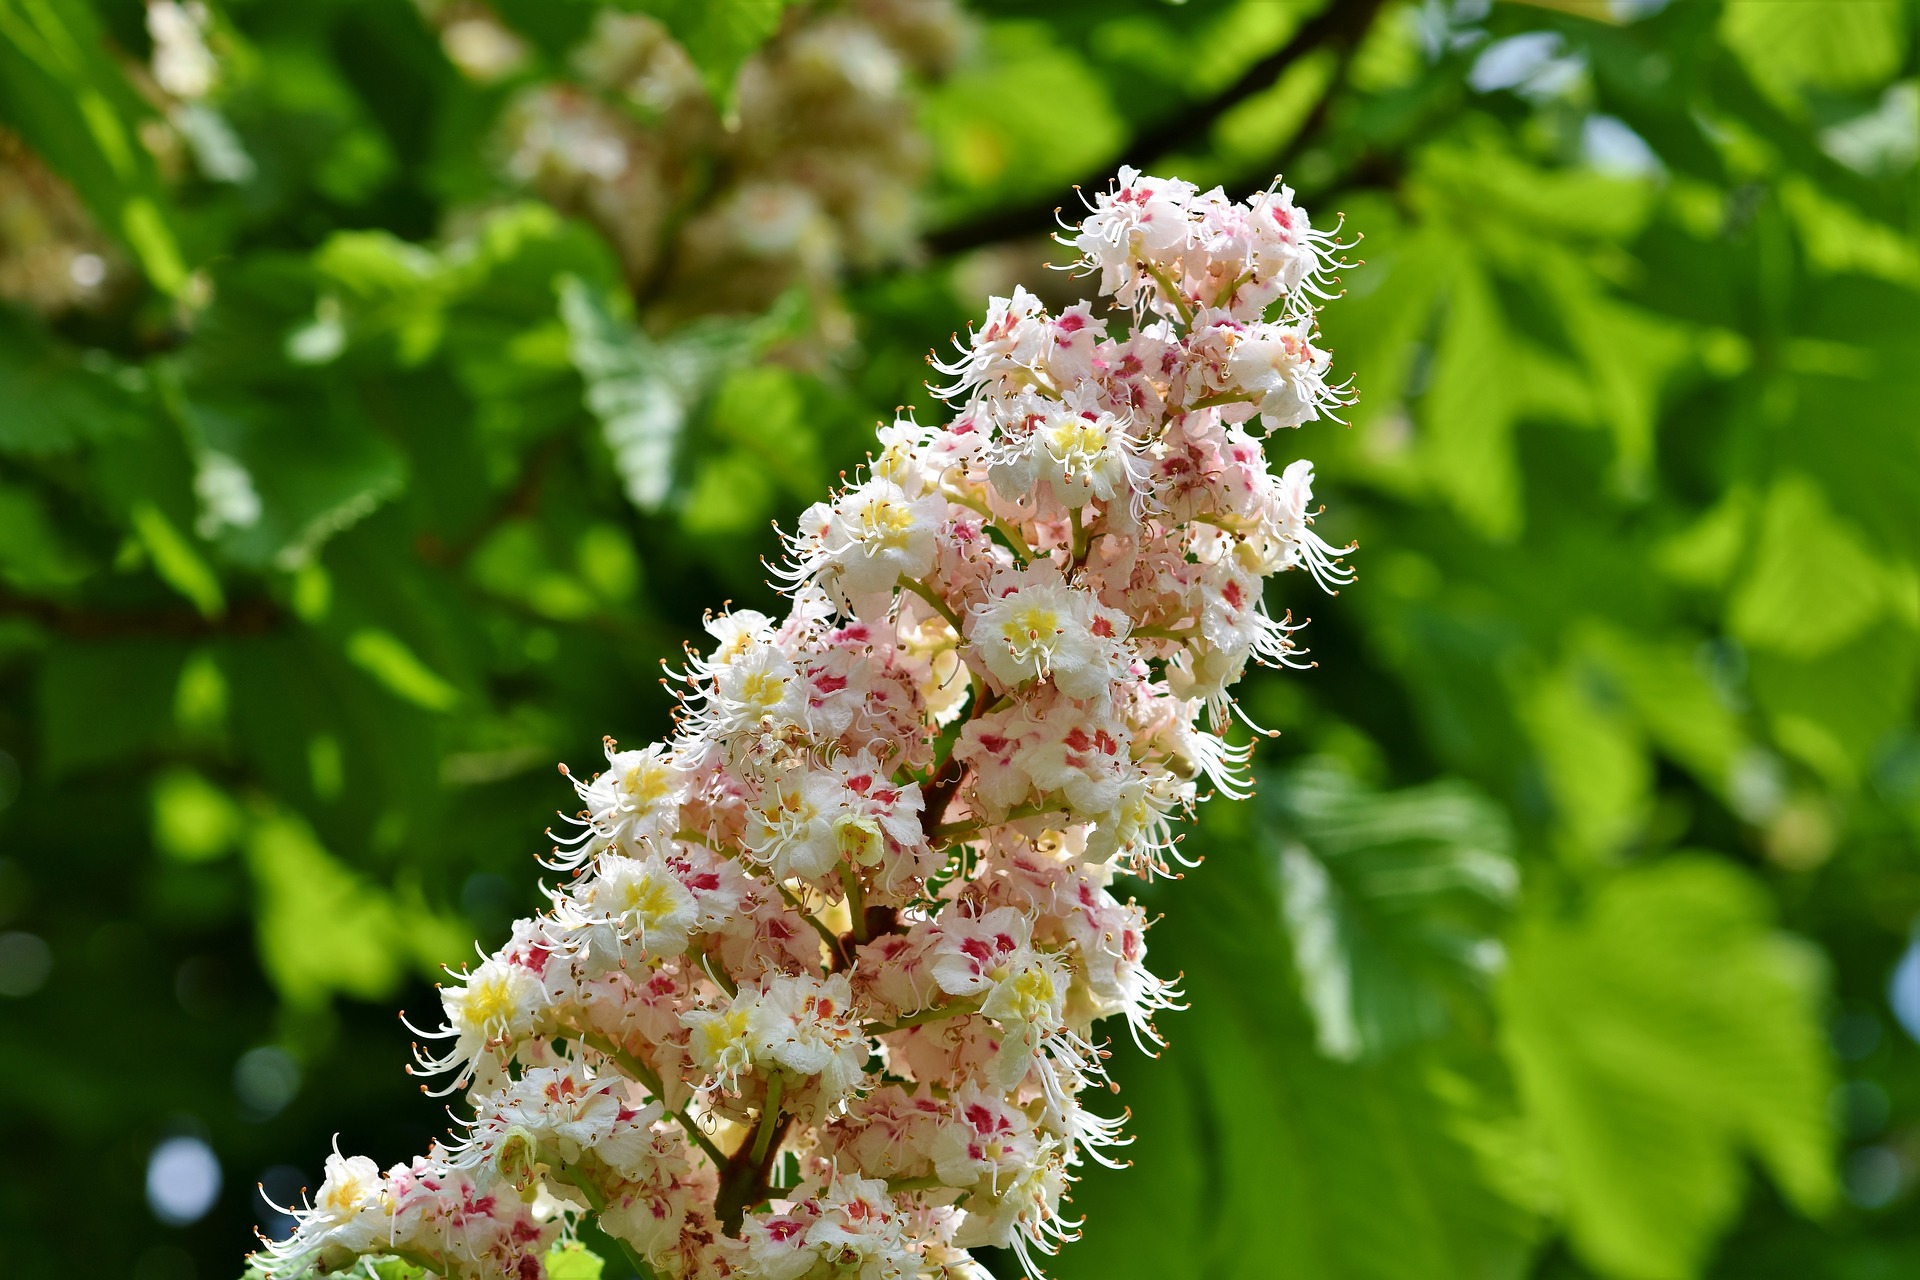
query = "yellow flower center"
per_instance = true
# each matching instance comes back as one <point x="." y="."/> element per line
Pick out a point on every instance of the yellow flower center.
<point x="489" y="1001"/>
<point x="343" y="1196"/>
<point x="1076" y="440"/>
<point x="648" y="899"/>
<point x="763" y="691"/>
<point x="1034" y="991"/>
<point x="647" y="782"/>
<point x="886" y="523"/>
<point x="718" y="1035"/>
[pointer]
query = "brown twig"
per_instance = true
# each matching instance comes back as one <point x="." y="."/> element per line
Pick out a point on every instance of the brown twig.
<point x="521" y="501"/>
<point x="1341" y="23"/>
<point x="250" y="616"/>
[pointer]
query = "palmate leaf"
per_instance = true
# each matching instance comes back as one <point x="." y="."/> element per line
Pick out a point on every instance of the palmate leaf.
<point x="644" y="390"/>
<point x="1259" y="1156"/>
<point x="1392" y="900"/>
<point x="1658" y="1036"/>
<point x="305" y="472"/>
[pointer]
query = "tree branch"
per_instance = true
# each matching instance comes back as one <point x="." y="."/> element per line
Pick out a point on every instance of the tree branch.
<point x="250" y="616"/>
<point x="1341" y="23"/>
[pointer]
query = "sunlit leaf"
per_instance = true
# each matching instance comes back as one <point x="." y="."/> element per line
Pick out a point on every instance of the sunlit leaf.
<point x="62" y="89"/>
<point x="1660" y="1032"/>
<point x="1258" y="1155"/>
<point x="388" y="659"/>
<point x="1811" y="585"/>
<point x="322" y="929"/>
<point x="1392" y="901"/>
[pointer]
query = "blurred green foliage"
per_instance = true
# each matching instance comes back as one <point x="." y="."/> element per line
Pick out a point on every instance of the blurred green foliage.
<point x="367" y="485"/>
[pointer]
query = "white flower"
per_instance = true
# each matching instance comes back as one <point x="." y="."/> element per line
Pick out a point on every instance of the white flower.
<point x="777" y="1245"/>
<point x="721" y="1043"/>
<point x="1079" y="454"/>
<point x="792" y="828"/>
<point x="887" y="841"/>
<point x="760" y="689"/>
<point x="1025" y="1215"/>
<point x="809" y="1026"/>
<point x="973" y="955"/>
<point x="1142" y="218"/>
<point x="645" y="902"/>
<point x="1290" y="519"/>
<point x="857" y="1234"/>
<point x="1039" y="627"/>
<point x="497" y="1005"/>
<point x="986" y="1139"/>
<point x="865" y="542"/>
<point x="1279" y="364"/>
<point x="635" y="803"/>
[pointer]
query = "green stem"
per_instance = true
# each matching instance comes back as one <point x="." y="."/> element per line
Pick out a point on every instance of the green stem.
<point x="424" y="1261"/>
<point x="598" y="1201"/>
<point x="650" y="1080"/>
<point x="826" y="934"/>
<point x="958" y="1008"/>
<point x="1219" y="398"/>
<point x="951" y="831"/>
<point x="856" y="900"/>
<point x="1015" y="543"/>
<point x="1079" y="537"/>
<point x="1167" y="287"/>
<point x="718" y="972"/>
<point x="932" y="597"/>
<point x="769" y="1116"/>
<point x="925" y="1182"/>
<point x="1230" y="288"/>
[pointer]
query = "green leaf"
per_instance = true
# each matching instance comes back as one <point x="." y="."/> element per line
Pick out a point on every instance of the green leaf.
<point x="103" y="702"/>
<point x="33" y="555"/>
<point x="1788" y="48"/>
<point x="641" y="411"/>
<point x="1658" y="1037"/>
<point x="1812" y="585"/>
<point x="401" y="1269"/>
<point x="64" y="93"/>
<point x="1469" y="411"/>
<point x="176" y="561"/>
<point x="645" y="390"/>
<point x="193" y="820"/>
<point x="1259" y="1156"/>
<point x="386" y="658"/>
<point x="992" y="147"/>
<point x="1836" y="712"/>
<point x="1393" y="901"/>
<point x="323" y="929"/>
<point x="571" y="1260"/>
<point x="57" y="399"/>
<point x="1594" y="760"/>
<point x="278" y="478"/>
<point x="1677" y="705"/>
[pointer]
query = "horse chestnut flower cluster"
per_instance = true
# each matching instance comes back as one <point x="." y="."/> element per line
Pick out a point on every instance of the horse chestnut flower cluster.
<point x="820" y="995"/>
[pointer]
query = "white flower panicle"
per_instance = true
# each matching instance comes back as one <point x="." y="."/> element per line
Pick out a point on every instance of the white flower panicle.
<point x="819" y="996"/>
